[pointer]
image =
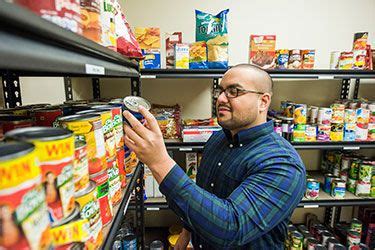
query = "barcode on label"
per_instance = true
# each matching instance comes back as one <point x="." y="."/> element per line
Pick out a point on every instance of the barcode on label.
<point x="94" y="69"/>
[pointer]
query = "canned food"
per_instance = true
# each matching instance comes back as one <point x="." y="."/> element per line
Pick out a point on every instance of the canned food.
<point x="363" y="188"/>
<point x="89" y="126"/>
<point x="338" y="188"/>
<point x="287" y="108"/>
<point x="296" y="239"/>
<point x="361" y="132"/>
<point x="47" y="117"/>
<point x="132" y="103"/>
<point x="313" y="114"/>
<point x="120" y="158"/>
<point x="354" y="238"/>
<point x="349" y="131"/>
<point x="300" y="113"/>
<point x="299" y="133"/>
<point x="334" y="60"/>
<point x="130" y="242"/>
<point x="354" y="168"/>
<point x="338" y="246"/>
<point x="363" y="115"/>
<point x="356" y="225"/>
<point x="337" y="132"/>
<point x="11" y="122"/>
<point x="130" y="163"/>
<point x="365" y="172"/>
<point x="345" y="162"/>
<point x="328" y="182"/>
<point x="308" y="59"/>
<point x="350" y="116"/>
<point x="302" y="228"/>
<point x="320" y="247"/>
<point x="311" y="132"/>
<point x="312" y="189"/>
<point x="55" y="151"/>
<point x="324" y="116"/>
<point x="325" y="237"/>
<point x="106" y="209"/>
<point x="114" y="182"/>
<point x="90" y="210"/>
<point x="282" y="57"/>
<point x="338" y="112"/>
<point x="80" y="165"/>
<point x="287" y="128"/>
<point x="336" y="171"/>
<point x="352" y="185"/>
<point x="371" y="132"/>
<point x="331" y="242"/>
<point x="344" y="175"/>
<point x="22" y="199"/>
<point x="324" y="132"/>
<point x="277" y="127"/>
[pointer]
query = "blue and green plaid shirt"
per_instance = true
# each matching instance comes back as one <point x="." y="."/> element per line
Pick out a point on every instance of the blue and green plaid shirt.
<point x="246" y="190"/>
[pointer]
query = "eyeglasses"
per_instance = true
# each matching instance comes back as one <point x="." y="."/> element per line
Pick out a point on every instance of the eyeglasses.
<point x="233" y="92"/>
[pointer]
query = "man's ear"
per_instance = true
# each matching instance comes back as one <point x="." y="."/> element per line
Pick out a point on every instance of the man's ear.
<point x="265" y="101"/>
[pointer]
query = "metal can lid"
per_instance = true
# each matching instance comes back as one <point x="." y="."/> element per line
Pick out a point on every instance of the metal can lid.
<point x="297" y="234"/>
<point x="38" y="133"/>
<point x="339" y="246"/>
<point x="72" y="217"/>
<point x="11" y="150"/>
<point x="320" y="247"/>
<point x="132" y="103"/>
<point x="311" y="180"/>
<point x="90" y="188"/>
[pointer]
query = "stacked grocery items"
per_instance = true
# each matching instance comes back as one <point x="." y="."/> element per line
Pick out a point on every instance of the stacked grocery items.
<point x="151" y="185"/>
<point x="358" y="172"/>
<point x="125" y="237"/>
<point x="169" y="119"/>
<point x="315" y="235"/>
<point x="101" y="21"/>
<point x="360" y="57"/>
<point x="199" y="130"/>
<point x="344" y="120"/>
<point x="73" y="175"/>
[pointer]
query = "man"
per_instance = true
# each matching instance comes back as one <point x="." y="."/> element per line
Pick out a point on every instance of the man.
<point x="249" y="181"/>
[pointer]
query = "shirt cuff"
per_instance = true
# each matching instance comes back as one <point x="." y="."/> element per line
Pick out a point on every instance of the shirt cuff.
<point x="173" y="182"/>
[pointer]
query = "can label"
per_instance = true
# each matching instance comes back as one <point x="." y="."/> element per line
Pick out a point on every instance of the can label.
<point x="352" y="184"/>
<point x="130" y="163"/>
<point x="114" y="184"/>
<point x="324" y="115"/>
<point x="371" y="132"/>
<point x="118" y="127"/>
<point x="312" y="189"/>
<point x="106" y="209"/>
<point x="361" y="132"/>
<point x="81" y="169"/>
<point x="354" y="169"/>
<point x="76" y="231"/>
<point x="310" y="132"/>
<point x="350" y="116"/>
<point x="349" y="131"/>
<point x="365" y="173"/>
<point x="327" y="182"/>
<point x="300" y="113"/>
<point x="109" y="134"/>
<point x="299" y="133"/>
<point x="363" y="189"/>
<point x="338" y="189"/>
<point x="120" y="159"/>
<point x="337" y="132"/>
<point x="363" y="116"/>
<point x="354" y="238"/>
<point x="46" y="118"/>
<point x="338" y="112"/>
<point x="324" y="132"/>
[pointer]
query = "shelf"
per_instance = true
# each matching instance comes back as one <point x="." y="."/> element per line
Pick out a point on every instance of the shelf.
<point x="198" y="146"/>
<point x="319" y="74"/>
<point x="32" y="46"/>
<point x="110" y="231"/>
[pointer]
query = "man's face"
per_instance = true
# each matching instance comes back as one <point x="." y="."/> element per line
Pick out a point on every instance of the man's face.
<point x="239" y="112"/>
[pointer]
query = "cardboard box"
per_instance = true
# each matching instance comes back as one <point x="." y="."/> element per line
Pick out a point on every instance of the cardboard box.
<point x="149" y="183"/>
<point x="262" y="51"/>
<point x="152" y="59"/>
<point x="170" y="42"/>
<point x="181" y="56"/>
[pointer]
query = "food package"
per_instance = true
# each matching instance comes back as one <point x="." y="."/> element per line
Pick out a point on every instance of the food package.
<point x="213" y="30"/>
<point x="198" y="133"/>
<point x="181" y="56"/>
<point x="200" y="122"/>
<point x="334" y="60"/>
<point x="295" y="59"/>
<point x="107" y="16"/>
<point x="359" y="59"/>
<point x="346" y="60"/>
<point x="126" y="42"/>
<point x="308" y="58"/>
<point x="360" y="41"/>
<point x="198" y="55"/>
<point x="191" y="165"/>
<point x="168" y="118"/>
<point x="282" y="58"/>
<point x="170" y="42"/>
<point x="151" y="59"/>
<point x="148" y="38"/>
<point x="262" y="51"/>
<point x="91" y="21"/>
<point x="373" y="58"/>
<point x="369" y="59"/>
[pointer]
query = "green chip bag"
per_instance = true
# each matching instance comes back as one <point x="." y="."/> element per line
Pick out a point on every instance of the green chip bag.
<point x="213" y="30"/>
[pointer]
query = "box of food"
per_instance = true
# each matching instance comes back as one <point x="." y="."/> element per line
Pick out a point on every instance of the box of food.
<point x="181" y="56"/>
<point x="148" y="38"/>
<point x="346" y="60"/>
<point x="191" y="165"/>
<point x="295" y="59"/>
<point x="262" y="51"/>
<point x="359" y="59"/>
<point x="308" y="58"/>
<point x="198" y="55"/>
<point x="282" y="58"/>
<point x="151" y="60"/>
<point x="149" y="183"/>
<point x="360" y="41"/>
<point x="199" y="133"/>
<point x="170" y="41"/>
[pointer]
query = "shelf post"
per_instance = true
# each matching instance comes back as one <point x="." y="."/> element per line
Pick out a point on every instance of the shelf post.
<point x="11" y="90"/>
<point x="328" y="215"/>
<point x="96" y="88"/>
<point x="214" y="87"/>
<point x="356" y="88"/>
<point x="68" y="88"/>
<point x="140" y="209"/>
<point x="345" y="86"/>
<point x="136" y="86"/>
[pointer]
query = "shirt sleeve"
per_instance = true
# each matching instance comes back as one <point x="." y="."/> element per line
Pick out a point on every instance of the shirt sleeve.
<point x="258" y="204"/>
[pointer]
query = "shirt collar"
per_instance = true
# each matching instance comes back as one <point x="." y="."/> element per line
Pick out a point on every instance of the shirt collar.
<point x="247" y="135"/>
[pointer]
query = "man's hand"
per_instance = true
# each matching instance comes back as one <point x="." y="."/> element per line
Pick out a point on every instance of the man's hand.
<point x="183" y="240"/>
<point x="148" y="144"/>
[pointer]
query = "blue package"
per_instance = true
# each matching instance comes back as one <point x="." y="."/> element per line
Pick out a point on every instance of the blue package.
<point x="152" y="59"/>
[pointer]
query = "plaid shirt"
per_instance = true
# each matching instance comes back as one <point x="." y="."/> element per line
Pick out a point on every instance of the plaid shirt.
<point x="246" y="190"/>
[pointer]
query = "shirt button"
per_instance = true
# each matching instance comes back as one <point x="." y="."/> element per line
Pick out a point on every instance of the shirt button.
<point x="219" y="164"/>
<point x="231" y="145"/>
<point x="241" y="145"/>
<point x="212" y="185"/>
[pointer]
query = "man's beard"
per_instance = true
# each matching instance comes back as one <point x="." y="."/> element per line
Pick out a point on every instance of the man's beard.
<point x="234" y="123"/>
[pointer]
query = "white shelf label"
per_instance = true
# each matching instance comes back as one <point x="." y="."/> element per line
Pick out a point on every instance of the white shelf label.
<point x="94" y="69"/>
<point x="153" y="209"/>
<point x="351" y="148"/>
<point x="186" y="149"/>
<point x="310" y="206"/>
<point x="148" y="76"/>
<point x="326" y="77"/>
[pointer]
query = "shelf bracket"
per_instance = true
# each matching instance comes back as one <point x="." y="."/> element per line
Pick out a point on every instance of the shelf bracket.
<point x="96" y="88"/>
<point x="135" y="86"/>
<point x="356" y="88"/>
<point x="214" y="87"/>
<point x="345" y="86"/>
<point x="68" y="88"/>
<point x="139" y="209"/>
<point x="11" y="90"/>
<point x="328" y="215"/>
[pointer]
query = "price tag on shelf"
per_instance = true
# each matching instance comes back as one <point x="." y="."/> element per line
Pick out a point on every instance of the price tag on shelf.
<point x="148" y="76"/>
<point x="94" y="69"/>
<point x="152" y="209"/>
<point x="351" y="148"/>
<point x="310" y="206"/>
<point x="326" y="77"/>
<point x="186" y="149"/>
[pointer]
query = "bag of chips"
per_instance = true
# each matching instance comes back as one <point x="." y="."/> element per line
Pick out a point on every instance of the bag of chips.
<point x="198" y="55"/>
<point x="213" y="30"/>
<point x="148" y="38"/>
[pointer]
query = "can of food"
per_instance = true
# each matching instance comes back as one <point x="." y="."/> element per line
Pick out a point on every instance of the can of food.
<point x="338" y="112"/>
<point x="300" y="113"/>
<point x="356" y="225"/>
<point x="130" y="241"/>
<point x="282" y="58"/>
<point x="354" y="168"/>
<point x="296" y="239"/>
<point x="114" y="182"/>
<point x="328" y="182"/>
<point x="338" y="188"/>
<point x="365" y="172"/>
<point x="354" y="238"/>
<point x="308" y="58"/>
<point x="371" y="132"/>
<point x="295" y="59"/>
<point x="334" y="60"/>
<point x="344" y="175"/>
<point x="350" y="116"/>
<point x="47" y="117"/>
<point x="89" y="126"/>
<point x="299" y="133"/>
<point x="361" y="132"/>
<point x="23" y="209"/>
<point x="325" y="237"/>
<point x="349" y="131"/>
<point x="302" y="228"/>
<point x="345" y="162"/>
<point x="313" y="114"/>
<point x="130" y="163"/>
<point x="336" y="171"/>
<point x="363" y="115"/>
<point x="132" y="104"/>
<point x="11" y="122"/>
<point x="363" y="188"/>
<point x="312" y="189"/>
<point x="277" y="128"/>
<point x="324" y="115"/>
<point x="324" y="132"/>
<point x="287" y="128"/>
<point x="331" y="242"/>
<point x="90" y="210"/>
<point x="120" y="158"/>
<point x="351" y="185"/>
<point x="106" y="210"/>
<point x="55" y="151"/>
<point x="287" y="108"/>
<point x="337" y="246"/>
<point x="311" y="243"/>
<point x="346" y="60"/>
<point x="80" y="164"/>
<point x="337" y="132"/>
<point x="311" y="132"/>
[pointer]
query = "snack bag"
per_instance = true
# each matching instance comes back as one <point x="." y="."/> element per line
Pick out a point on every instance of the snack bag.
<point x="170" y="41"/>
<point x="262" y="51"/>
<point x="198" y="55"/>
<point x="148" y="38"/>
<point x="213" y="30"/>
<point x="360" y="41"/>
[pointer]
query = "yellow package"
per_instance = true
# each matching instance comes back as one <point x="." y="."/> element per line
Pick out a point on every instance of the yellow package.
<point x="181" y="56"/>
<point x="198" y="55"/>
<point x="148" y="38"/>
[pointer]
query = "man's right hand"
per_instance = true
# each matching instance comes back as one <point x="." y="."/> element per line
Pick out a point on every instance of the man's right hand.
<point x="183" y="240"/>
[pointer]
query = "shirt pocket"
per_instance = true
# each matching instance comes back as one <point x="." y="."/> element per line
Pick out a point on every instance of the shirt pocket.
<point x="229" y="180"/>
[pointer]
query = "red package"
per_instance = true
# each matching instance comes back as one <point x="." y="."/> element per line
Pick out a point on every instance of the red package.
<point x="126" y="42"/>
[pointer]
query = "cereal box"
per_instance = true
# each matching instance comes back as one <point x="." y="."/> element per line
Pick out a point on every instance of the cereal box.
<point x="308" y="58"/>
<point x="170" y="41"/>
<point x="360" y="41"/>
<point x="148" y="38"/>
<point x="151" y="60"/>
<point x="262" y="51"/>
<point x="182" y="56"/>
<point x="198" y="55"/>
